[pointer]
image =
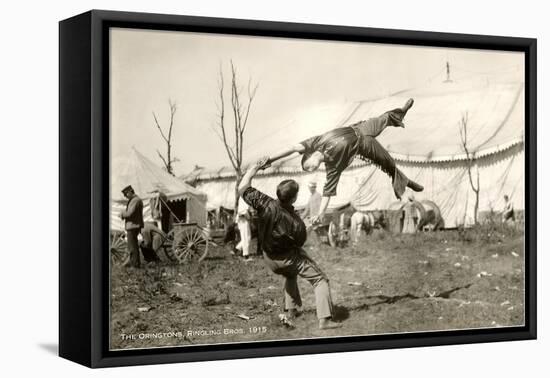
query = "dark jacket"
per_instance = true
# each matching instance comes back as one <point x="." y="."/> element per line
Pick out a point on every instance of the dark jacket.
<point x="281" y="231"/>
<point x="339" y="147"/>
<point x="133" y="215"/>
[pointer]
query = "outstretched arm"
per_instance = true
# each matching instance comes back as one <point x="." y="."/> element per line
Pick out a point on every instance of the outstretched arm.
<point x="306" y="212"/>
<point x="324" y="205"/>
<point x="329" y="190"/>
<point x="286" y="152"/>
<point x="247" y="178"/>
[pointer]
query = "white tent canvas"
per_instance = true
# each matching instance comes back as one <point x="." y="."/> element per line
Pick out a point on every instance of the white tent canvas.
<point x="146" y="178"/>
<point x="428" y="150"/>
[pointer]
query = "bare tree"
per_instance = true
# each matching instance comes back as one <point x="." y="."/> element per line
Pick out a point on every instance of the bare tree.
<point x="167" y="160"/>
<point x="470" y="158"/>
<point x="232" y="135"/>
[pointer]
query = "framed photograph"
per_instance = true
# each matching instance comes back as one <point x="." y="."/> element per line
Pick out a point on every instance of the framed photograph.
<point x="234" y="188"/>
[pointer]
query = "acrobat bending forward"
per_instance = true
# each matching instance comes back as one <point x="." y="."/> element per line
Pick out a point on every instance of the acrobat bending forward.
<point x="337" y="149"/>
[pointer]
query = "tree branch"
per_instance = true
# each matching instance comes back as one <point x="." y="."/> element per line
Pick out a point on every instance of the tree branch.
<point x="463" y="128"/>
<point x="234" y="106"/>
<point x="221" y="123"/>
<point x="158" y="127"/>
<point x="251" y="95"/>
<point x="162" y="157"/>
<point x="168" y="160"/>
<point x="240" y="111"/>
<point x="173" y="108"/>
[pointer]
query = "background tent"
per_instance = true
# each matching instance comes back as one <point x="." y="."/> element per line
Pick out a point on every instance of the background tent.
<point x="146" y="178"/>
<point x="428" y="150"/>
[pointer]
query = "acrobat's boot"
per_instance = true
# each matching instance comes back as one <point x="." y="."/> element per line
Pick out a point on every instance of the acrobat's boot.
<point x="408" y="105"/>
<point x="401" y="112"/>
<point x="401" y="182"/>
<point x="415" y="186"/>
<point x="392" y="118"/>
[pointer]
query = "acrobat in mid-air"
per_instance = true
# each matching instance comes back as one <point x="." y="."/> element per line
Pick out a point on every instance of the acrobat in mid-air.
<point x="337" y="149"/>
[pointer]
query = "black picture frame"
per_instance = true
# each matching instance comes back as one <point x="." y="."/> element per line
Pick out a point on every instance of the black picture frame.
<point x="84" y="189"/>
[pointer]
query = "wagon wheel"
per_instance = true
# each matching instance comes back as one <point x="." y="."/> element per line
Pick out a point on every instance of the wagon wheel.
<point x="332" y="234"/>
<point x="190" y="243"/>
<point x="168" y="244"/>
<point x="119" y="250"/>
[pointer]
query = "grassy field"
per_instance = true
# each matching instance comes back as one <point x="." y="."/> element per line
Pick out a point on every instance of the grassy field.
<point x="388" y="283"/>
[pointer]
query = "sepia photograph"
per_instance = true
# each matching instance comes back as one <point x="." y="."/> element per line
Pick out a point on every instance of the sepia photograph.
<point x="275" y="189"/>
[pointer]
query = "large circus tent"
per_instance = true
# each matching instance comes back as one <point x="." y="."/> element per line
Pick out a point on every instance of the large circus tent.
<point x="428" y="149"/>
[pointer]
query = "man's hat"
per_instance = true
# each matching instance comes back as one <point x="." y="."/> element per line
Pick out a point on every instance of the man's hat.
<point x="312" y="184"/>
<point x="127" y="189"/>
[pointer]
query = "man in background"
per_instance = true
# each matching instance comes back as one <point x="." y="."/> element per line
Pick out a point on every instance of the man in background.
<point x="159" y="210"/>
<point x="410" y="215"/>
<point x="508" y="211"/>
<point x="244" y="230"/>
<point x="314" y="203"/>
<point x="153" y="238"/>
<point x="133" y="223"/>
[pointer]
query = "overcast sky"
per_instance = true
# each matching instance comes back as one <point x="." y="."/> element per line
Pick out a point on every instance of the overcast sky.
<point x="150" y="67"/>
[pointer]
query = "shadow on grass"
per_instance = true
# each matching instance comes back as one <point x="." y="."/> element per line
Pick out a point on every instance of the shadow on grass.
<point x="340" y="313"/>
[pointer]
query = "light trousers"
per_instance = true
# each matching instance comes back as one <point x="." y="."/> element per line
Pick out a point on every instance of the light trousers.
<point x="246" y="236"/>
<point x="370" y="149"/>
<point x="300" y="264"/>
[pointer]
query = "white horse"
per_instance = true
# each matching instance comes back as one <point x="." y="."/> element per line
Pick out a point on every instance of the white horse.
<point x="361" y="221"/>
